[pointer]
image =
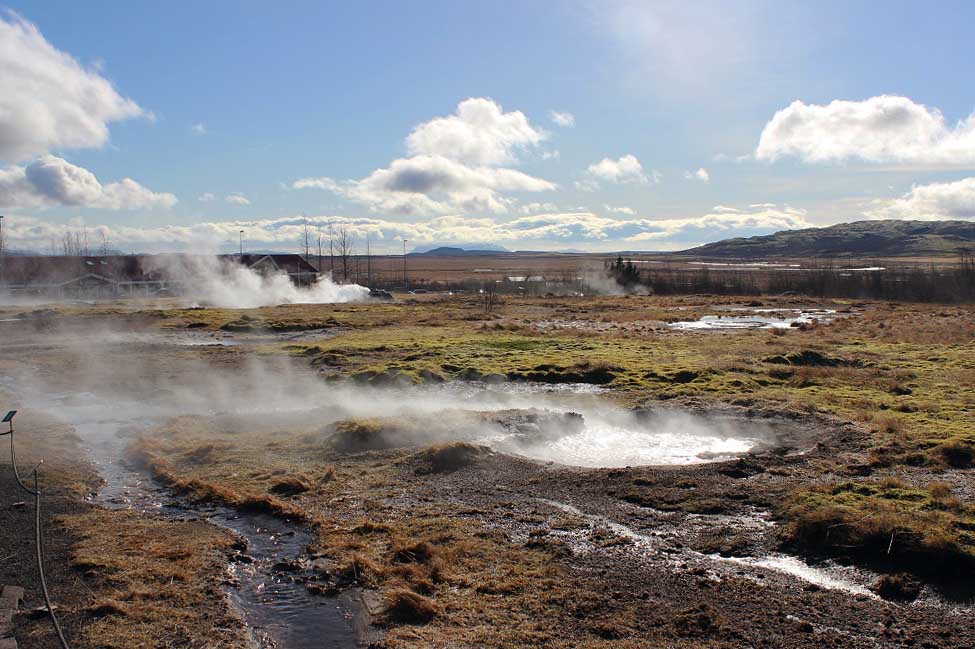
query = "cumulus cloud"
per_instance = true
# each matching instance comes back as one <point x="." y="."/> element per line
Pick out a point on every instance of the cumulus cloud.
<point x="563" y="119"/>
<point x="936" y="201"/>
<point x="206" y="197"/>
<point x="622" y="209"/>
<point x="626" y="169"/>
<point x="554" y="230"/>
<point x="479" y="133"/>
<point x="199" y="128"/>
<point x="701" y="174"/>
<point x="536" y="208"/>
<point x="432" y="185"/>
<point x="721" y="224"/>
<point x="884" y="129"/>
<point x="237" y="199"/>
<point x="49" y="101"/>
<point x="50" y="181"/>
<point x="456" y="166"/>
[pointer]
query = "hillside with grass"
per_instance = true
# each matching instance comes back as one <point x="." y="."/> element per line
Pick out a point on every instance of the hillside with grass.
<point x="858" y="239"/>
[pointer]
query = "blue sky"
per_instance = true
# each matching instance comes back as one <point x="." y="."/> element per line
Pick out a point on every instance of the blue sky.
<point x="677" y="124"/>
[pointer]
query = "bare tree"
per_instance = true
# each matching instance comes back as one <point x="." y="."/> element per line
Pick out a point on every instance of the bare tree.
<point x="74" y="242"/>
<point x="306" y="238"/>
<point x="106" y="244"/>
<point x="346" y="247"/>
<point x="489" y="296"/>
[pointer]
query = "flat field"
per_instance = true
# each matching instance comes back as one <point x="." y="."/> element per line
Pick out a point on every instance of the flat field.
<point x="550" y="471"/>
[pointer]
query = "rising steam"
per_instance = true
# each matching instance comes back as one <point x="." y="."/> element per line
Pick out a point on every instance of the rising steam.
<point x="103" y="381"/>
<point x="224" y="283"/>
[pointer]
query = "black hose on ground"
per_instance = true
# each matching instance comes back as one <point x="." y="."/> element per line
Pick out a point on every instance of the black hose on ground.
<point x="38" y="545"/>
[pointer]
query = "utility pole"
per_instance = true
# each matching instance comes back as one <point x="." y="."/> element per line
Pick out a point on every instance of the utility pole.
<point x="406" y="282"/>
<point x="240" y="236"/>
<point x="368" y="262"/>
<point x="1" y="249"/>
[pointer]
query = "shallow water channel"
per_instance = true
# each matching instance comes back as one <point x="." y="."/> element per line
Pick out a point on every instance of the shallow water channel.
<point x="279" y="611"/>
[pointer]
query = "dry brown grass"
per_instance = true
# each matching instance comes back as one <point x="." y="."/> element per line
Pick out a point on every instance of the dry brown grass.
<point x="403" y="606"/>
<point x="152" y="582"/>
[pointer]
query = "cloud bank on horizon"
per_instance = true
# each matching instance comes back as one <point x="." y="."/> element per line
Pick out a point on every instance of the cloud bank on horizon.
<point x="479" y="172"/>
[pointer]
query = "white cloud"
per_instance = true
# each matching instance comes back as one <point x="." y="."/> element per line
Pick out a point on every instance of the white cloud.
<point x="537" y="208"/>
<point x="479" y="133"/>
<point x="936" y="201"/>
<point x="456" y="166"/>
<point x="554" y="230"/>
<point x="432" y="185"/>
<point x="624" y="170"/>
<point x="622" y="209"/>
<point x="563" y="119"/>
<point x="206" y="197"/>
<point x="884" y="129"/>
<point x="725" y="223"/>
<point x="701" y="174"/>
<point x="237" y="199"/>
<point x="50" y="181"/>
<point x="199" y="128"/>
<point x="48" y="100"/>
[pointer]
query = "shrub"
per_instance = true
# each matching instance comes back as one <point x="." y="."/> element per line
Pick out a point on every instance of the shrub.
<point x="958" y="455"/>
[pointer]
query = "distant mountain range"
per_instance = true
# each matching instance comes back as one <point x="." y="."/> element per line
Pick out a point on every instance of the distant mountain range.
<point x="857" y="239"/>
<point x="477" y="249"/>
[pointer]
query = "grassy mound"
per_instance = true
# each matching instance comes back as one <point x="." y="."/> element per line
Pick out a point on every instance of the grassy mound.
<point x="887" y="524"/>
<point x="360" y="435"/>
<point x="445" y="458"/>
<point x="403" y="606"/>
<point x="290" y="486"/>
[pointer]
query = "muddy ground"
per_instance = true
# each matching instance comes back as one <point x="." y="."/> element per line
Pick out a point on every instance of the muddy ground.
<point x="501" y="550"/>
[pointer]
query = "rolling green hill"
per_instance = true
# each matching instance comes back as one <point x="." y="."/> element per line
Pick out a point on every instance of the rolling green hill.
<point x="857" y="239"/>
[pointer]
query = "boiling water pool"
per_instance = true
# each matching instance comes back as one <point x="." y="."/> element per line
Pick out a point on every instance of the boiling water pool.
<point x="573" y="424"/>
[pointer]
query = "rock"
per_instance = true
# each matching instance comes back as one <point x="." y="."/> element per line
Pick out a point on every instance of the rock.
<point x="13" y="594"/>
<point x="288" y="565"/>
<point x="325" y="590"/>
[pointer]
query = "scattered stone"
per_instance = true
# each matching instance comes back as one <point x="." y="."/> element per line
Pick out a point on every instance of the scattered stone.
<point x="14" y="594"/>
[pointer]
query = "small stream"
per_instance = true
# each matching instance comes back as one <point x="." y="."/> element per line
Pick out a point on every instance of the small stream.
<point x="280" y="612"/>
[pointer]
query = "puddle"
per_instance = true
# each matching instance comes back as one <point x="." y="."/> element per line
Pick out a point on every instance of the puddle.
<point x="756" y="321"/>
